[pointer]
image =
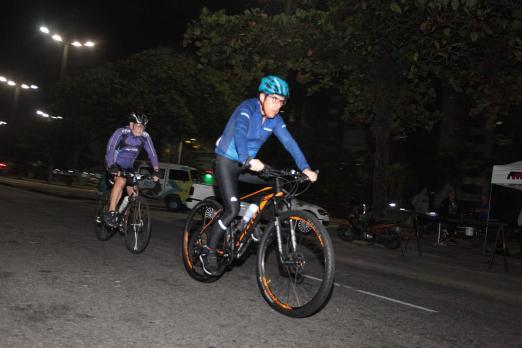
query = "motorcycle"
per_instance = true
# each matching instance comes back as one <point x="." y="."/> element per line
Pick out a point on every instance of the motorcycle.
<point x="360" y="226"/>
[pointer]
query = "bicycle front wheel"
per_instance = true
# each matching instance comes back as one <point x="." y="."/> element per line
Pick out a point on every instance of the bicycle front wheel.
<point x="103" y="232"/>
<point x="297" y="282"/>
<point x="137" y="225"/>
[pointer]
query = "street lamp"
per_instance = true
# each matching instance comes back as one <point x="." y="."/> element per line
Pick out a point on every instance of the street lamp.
<point x="190" y="141"/>
<point x="3" y="123"/>
<point x="66" y="45"/>
<point x="53" y="136"/>
<point x="46" y="115"/>
<point x="17" y="87"/>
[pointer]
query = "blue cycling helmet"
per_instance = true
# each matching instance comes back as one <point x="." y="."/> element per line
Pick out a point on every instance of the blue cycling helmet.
<point x="274" y="85"/>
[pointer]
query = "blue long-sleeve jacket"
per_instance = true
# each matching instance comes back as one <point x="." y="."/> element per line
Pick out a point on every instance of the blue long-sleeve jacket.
<point x="123" y="148"/>
<point x="245" y="133"/>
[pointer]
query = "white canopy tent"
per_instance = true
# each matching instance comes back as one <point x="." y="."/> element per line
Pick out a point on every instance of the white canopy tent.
<point x="509" y="175"/>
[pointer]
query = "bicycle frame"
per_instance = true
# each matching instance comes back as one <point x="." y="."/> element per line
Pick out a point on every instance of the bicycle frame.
<point x="132" y="196"/>
<point x="275" y="195"/>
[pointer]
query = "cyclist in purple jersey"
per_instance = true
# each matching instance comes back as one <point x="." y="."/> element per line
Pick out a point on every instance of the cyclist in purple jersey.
<point x="122" y="150"/>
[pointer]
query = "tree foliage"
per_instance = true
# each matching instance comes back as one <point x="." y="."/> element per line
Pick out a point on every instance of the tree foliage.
<point x="385" y="58"/>
<point x="181" y="97"/>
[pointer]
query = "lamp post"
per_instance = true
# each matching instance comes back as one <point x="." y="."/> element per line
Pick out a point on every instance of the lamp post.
<point x="180" y="147"/>
<point x="52" y="140"/>
<point x="66" y="45"/>
<point x="17" y="88"/>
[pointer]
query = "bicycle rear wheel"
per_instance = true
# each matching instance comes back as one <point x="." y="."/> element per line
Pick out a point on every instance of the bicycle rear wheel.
<point x="299" y="282"/>
<point x="346" y="232"/>
<point x="137" y="225"/>
<point x="195" y="235"/>
<point x="103" y="232"/>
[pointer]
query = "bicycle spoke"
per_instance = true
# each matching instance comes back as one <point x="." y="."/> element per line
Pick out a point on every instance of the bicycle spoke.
<point x="290" y="281"/>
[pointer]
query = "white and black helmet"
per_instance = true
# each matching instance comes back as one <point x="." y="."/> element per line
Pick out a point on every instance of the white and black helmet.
<point x="138" y="118"/>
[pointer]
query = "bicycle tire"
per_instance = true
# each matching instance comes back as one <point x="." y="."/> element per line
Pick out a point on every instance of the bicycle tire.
<point x="315" y="281"/>
<point x="103" y="232"/>
<point x="346" y="232"/>
<point x="392" y="240"/>
<point x="137" y="225"/>
<point x="199" y="221"/>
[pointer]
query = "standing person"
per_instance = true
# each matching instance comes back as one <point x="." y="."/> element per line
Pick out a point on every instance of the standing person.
<point x="250" y="125"/>
<point x="421" y="201"/>
<point x="482" y="209"/>
<point x="122" y="150"/>
<point x="451" y="210"/>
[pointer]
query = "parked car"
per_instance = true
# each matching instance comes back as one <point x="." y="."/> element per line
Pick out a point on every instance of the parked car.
<point x="175" y="180"/>
<point x="201" y="191"/>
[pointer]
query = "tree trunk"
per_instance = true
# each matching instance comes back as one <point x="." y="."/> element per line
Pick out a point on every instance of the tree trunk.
<point x="380" y="130"/>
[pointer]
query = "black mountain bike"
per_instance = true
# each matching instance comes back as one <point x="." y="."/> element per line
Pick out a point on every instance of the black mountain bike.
<point x="133" y="217"/>
<point x="295" y="256"/>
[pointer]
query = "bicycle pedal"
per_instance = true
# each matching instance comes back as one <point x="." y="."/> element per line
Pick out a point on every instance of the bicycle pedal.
<point x="257" y="234"/>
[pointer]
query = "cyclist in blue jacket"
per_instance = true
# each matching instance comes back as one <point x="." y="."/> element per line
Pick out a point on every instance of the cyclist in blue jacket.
<point x="251" y="124"/>
<point x="123" y="148"/>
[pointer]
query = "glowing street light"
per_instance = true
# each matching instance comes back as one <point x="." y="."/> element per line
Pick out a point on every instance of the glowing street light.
<point x="66" y="45"/>
<point x="46" y="115"/>
<point x="17" y="87"/>
<point x="2" y="123"/>
<point x="14" y="83"/>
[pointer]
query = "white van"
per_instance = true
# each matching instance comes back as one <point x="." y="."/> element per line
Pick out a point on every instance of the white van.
<point x="175" y="180"/>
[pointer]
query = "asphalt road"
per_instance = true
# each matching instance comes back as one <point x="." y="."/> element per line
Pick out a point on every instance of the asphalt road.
<point x="61" y="287"/>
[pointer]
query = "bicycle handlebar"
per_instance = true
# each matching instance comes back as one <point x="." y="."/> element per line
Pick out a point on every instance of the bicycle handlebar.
<point x="272" y="173"/>
<point x="138" y="176"/>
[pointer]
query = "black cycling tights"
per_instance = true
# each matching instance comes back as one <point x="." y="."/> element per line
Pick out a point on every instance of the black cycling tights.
<point x="228" y="173"/>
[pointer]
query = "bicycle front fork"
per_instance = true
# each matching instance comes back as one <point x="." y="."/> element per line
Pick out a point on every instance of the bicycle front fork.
<point x="293" y="241"/>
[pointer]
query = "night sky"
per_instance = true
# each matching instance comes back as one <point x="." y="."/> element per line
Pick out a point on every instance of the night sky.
<point x="118" y="28"/>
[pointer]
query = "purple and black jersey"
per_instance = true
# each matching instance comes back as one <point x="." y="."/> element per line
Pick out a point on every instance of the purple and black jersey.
<point x="123" y="148"/>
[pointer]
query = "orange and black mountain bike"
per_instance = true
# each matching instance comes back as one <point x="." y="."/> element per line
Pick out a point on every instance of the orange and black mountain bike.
<point x="295" y="256"/>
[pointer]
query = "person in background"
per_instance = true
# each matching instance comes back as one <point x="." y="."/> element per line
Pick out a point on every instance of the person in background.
<point x="122" y="150"/>
<point x="482" y="209"/>
<point x="421" y="201"/>
<point x="450" y="209"/>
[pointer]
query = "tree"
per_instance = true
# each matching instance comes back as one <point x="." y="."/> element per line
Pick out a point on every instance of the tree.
<point x="384" y="57"/>
<point x="181" y="97"/>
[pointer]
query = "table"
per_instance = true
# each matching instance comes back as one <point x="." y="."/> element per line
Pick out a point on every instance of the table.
<point x="495" y="224"/>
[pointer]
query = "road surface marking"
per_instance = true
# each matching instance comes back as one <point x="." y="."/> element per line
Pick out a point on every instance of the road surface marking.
<point x="378" y="296"/>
